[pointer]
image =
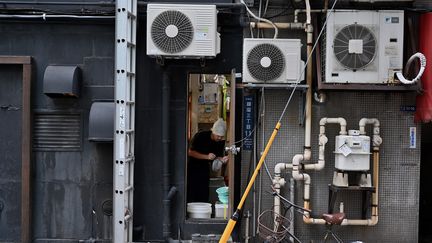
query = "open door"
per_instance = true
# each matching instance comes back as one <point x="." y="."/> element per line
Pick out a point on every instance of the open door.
<point x="211" y="97"/>
<point x="231" y="141"/>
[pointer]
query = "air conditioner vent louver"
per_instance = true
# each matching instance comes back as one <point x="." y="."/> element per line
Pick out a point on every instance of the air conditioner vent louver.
<point x="172" y="31"/>
<point x="265" y="62"/>
<point x="341" y="46"/>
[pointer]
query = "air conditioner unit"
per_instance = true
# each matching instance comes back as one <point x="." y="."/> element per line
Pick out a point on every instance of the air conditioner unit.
<point x="182" y="31"/>
<point x="272" y="60"/>
<point x="364" y="46"/>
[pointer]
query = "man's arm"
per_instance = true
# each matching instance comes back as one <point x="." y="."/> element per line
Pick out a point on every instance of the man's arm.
<point x="198" y="155"/>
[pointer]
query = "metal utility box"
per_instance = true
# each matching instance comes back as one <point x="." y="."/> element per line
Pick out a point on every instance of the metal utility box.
<point x="352" y="152"/>
<point x="364" y="46"/>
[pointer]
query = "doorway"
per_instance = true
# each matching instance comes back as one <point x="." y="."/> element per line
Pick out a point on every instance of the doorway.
<point x="211" y="107"/>
<point x="425" y="213"/>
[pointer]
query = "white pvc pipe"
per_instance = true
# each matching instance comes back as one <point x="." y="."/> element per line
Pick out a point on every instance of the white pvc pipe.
<point x="364" y="121"/>
<point x="278" y="182"/>
<point x="307" y="153"/>
<point x="279" y="25"/>
<point x="339" y="120"/>
<point x="301" y="176"/>
<point x="321" y="153"/>
<point x="376" y="140"/>
<point x="282" y="166"/>
<point x="297" y="11"/>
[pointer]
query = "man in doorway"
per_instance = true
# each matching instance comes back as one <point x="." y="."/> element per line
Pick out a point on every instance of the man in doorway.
<point x="206" y="147"/>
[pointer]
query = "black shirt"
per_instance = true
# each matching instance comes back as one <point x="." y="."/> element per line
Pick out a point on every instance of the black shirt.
<point x="198" y="169"/>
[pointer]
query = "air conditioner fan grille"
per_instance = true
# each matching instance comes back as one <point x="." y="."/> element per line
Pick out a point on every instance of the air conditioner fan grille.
<point x="172" y="31"/>
<point x="341" y="46"/>
<point x="274" y="63"/>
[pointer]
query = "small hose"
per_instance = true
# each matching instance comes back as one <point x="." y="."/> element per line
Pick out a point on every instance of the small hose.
<point x="422" y="59"/>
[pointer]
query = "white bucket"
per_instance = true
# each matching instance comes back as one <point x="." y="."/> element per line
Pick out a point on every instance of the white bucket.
<point x="199" y="210"/>
<point x="221" y="210"/>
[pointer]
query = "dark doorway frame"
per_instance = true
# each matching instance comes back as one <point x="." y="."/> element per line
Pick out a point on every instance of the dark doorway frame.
<point x="25" y="62"/>
<point x="425" y="198"/>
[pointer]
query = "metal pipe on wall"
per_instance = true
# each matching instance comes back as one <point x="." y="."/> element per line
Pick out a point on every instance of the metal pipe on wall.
<point x="373" y="220"/>
<point x="308" y="113"/>
<point x="168" y="193"/>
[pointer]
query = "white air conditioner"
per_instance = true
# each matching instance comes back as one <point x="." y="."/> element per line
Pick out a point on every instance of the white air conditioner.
<point x="272" y="60"/>
<point x="182" y="31"/>
<point x="364" y="46"/>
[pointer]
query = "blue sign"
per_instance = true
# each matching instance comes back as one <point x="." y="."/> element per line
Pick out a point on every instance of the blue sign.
<point x="248" y="121"/>
<point x="408" y="108"/>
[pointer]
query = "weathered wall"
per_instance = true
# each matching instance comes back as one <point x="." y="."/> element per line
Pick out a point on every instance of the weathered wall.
<point x="68" y="187"/>
<point x="399" y="165"/>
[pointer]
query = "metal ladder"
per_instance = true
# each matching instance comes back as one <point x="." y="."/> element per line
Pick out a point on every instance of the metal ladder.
<point x="124" y="134"/>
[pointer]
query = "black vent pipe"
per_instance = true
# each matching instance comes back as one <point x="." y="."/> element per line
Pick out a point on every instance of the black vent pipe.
<point x="168" y="193"/>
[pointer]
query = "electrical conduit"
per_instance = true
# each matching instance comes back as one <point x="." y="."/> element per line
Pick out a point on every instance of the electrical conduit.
<point x="168" y="192"/>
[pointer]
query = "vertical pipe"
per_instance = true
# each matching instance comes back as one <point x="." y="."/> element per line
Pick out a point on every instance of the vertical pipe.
<point x="308" y="112"/>
<point x="167" y="193"/>
<point x="26" y="167"/>
<point x="255" y="149"/>
<point x="375" y="156"/>
<point x="247" y="216"/>
<point x="292" y="198"/>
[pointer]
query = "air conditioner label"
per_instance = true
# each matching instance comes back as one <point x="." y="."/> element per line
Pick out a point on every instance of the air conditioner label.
<point x="391" y="50"/>
<point x="391" y="20"/>
<point x="202" y="34"/>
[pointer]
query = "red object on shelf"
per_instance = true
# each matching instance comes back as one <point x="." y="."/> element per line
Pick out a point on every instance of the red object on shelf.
<point x="424" y="101"/>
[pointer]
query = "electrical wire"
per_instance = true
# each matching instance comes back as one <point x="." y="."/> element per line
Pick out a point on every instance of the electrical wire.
<point x="306" y="63"/>
<point x="259" y="16"/>
<point x="261" y="19"/>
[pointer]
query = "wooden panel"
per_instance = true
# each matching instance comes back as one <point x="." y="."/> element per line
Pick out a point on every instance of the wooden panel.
<point x="25" y="61"/>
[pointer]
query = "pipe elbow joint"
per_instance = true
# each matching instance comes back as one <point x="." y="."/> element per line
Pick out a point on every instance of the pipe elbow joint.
<point x="373" y="221"/>
<point x="307" y="219"/>
<point x="320" y="165"/>
<point x="306" y="178"/>
<point x="323" y="121"/>
<point x="279" y="167"/>
<point x="342" y="121"/>
<point x="297" y="159"/>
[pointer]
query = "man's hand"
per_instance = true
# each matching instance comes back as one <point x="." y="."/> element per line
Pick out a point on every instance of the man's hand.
<point x="211" y="156"/>
<point x="224" y="159"/>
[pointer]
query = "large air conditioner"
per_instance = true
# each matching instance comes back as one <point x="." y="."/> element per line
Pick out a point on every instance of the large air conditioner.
<point x="363" y="46"/>
<point x="182" y="31"/>
<point x="272" y="60"/>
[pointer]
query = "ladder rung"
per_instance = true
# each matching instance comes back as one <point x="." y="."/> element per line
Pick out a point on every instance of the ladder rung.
<point x="128" y="188"/>
<point x="127" y="218"/>
<point x="130" y="159"/>
<point x="129" y="44"/>
<point x="132" y="15"/>
<point x="130" y="131"/>
<point x="130" y="74"/>
<point x="130" y="102"/>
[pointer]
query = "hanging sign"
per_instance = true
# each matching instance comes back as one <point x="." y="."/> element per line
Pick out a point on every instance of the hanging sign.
<point x="248" y="121"/>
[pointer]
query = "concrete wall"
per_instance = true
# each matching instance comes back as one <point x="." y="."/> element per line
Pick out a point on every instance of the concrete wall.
<point x="69" y="187"/>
